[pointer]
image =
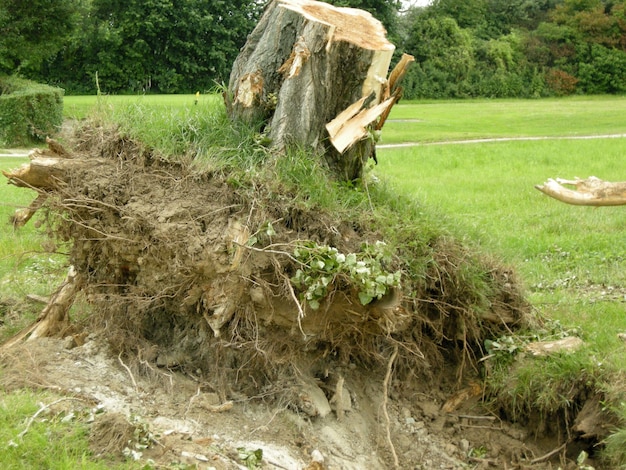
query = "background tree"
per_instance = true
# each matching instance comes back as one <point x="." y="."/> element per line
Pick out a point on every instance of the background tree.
<point x="165" y="46"/>
<point x="33" y="30"/>
<point x="384" y="11"/>
<point x="490" y="48"/>
<point x="518" y="48"/>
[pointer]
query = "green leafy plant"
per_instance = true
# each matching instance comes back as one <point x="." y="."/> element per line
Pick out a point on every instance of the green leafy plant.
<point x="321" y="265"/>
<point x="251" y="458"/>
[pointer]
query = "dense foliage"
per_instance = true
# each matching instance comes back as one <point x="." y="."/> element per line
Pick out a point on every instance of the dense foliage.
<point x="162" y="46"/>
<point x="515" y="48"/>
<point x="463" y="48"/>
<point x="33" y="30"/>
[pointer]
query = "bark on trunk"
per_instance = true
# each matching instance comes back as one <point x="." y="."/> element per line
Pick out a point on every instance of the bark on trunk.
<point x="314" y="76"/>
<point x="589" y="192"/>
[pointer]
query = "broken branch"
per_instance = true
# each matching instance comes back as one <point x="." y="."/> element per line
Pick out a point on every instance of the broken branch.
<point x="589" y="192"/>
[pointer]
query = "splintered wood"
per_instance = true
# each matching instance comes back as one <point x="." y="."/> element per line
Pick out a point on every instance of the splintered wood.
<point x="589" y="192"/>
<point x="315" y="76"/>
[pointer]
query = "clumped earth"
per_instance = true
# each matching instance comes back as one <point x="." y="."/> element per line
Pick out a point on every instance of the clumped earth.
<point x="213" y="331"/>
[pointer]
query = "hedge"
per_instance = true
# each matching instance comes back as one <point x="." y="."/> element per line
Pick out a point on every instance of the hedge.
<point x="29" y="111"/>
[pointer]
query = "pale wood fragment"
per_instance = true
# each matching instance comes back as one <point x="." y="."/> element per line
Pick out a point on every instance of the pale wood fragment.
<point x="589" y="192"/>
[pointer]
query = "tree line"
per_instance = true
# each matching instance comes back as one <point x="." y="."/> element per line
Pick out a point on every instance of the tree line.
<point x="463" y="48"/>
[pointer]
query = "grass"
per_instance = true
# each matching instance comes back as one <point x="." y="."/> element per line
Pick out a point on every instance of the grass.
<point x="435" y="121"/>
<point x="25" y="266"/>
<point x="567" y="255"/>
<point x="572" y="259"/>
<point x="79" y="107"/>
<point x="56" y="440"/>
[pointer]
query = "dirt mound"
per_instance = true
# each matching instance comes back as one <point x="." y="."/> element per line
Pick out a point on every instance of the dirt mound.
<point x="186" y="269"/>
<point x="230" y="296"/>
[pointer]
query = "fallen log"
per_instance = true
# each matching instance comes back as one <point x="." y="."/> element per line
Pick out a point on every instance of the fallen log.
<point x="589" y="192"/>
<point x="315" y="77"/>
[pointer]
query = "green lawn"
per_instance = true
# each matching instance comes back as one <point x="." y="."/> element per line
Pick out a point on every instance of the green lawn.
<point x="434" y="121"/>
<point x="572" y="259"/>
<point x="78" y="107"/>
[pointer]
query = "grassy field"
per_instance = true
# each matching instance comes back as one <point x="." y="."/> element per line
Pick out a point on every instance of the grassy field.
<point x="571" y="259"/>
<point x="78" y="107"/>
<point x="436" y="121"/>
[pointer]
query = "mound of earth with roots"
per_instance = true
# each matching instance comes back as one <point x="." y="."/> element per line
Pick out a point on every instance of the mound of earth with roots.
<point x="236" y="315"/>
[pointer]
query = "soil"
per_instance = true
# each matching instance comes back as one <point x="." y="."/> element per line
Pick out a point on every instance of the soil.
<point x="196" y="345"/>
<point x="186" y="421"/>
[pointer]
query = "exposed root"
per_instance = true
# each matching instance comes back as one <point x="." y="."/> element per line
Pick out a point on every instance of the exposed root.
<point x="392" y="358"/>
<point x="55" y="315"/>
<point x="132" y="378"/>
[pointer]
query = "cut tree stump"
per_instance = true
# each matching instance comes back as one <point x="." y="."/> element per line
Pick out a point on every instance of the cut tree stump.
<point x="589" y="192"/>
<point x="315" y="76"/>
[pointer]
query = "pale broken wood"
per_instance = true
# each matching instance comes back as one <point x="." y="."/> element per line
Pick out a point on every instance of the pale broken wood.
<point x="55" y="316"/>
<point x="545" y="348"/>
<point x="347" y="129"/>
<point x="588" y="192"/>
<point x="23" y="215"/>
<point x="47" y="171"/>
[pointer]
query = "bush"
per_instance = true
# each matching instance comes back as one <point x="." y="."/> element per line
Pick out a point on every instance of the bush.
<point x="603" y="71"/>
<point x="29" y="111"/>
<point x="560" y="82"/>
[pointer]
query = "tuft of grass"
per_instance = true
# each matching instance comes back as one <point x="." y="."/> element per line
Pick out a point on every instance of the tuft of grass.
<point x="616" y="443"/>
<point x="199" y="133"/>
<point x="34" y="439"/>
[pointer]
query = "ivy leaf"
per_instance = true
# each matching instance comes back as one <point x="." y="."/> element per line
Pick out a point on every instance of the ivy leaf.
<point x="365" y="298"/>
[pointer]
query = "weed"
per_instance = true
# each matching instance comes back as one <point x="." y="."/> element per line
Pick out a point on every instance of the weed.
<point x="321" y="265"/>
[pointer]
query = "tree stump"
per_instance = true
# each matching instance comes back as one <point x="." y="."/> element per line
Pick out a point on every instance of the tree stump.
<point x="315" y="76"/>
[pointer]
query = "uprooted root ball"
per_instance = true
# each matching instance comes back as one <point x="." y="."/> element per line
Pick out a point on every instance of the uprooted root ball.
<point x="188" y="268"/>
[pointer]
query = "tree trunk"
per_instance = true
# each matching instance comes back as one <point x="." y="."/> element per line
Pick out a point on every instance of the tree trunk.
<point x="314" y="76"/>
<point x="589" y="192"/>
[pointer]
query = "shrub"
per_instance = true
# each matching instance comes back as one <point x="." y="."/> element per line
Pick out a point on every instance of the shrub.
<point x="29" y="111"/>
<point x="560" y="82"/>
<point x="603" y="71"/>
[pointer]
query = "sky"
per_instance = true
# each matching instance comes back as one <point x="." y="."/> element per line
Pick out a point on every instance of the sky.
<point x="417" y="3"/>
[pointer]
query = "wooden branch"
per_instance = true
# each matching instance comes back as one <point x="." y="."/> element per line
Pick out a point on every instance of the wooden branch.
<point x="350" y="126"/>
<point x="589" y="192"/>
<point x="55" y="315"/>
<point x="22" y="216"/>
<point x="353" y="124"/>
